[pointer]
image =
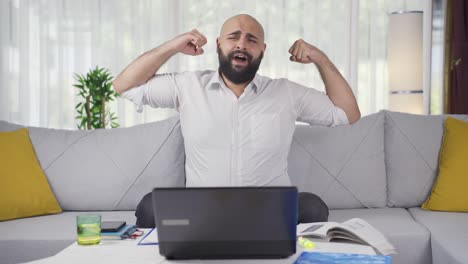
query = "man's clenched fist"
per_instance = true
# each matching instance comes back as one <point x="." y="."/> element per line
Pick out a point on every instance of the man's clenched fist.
<point x="190" y="43"/>
<point x="303" y="52"/>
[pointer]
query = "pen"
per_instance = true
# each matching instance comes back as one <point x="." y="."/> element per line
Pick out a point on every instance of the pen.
<point x="306" y="243"/>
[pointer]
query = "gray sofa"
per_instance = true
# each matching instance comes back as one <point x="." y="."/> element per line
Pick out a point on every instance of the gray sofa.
<point x="380" y="169"/>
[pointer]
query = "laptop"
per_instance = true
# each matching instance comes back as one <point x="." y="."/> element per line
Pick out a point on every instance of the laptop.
<point x="226" y="222"/>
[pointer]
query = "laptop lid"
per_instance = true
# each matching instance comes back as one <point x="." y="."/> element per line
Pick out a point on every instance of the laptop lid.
<point x="226" y="222"/>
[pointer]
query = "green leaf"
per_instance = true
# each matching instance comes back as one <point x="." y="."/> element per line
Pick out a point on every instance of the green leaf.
<point x="92" y="87"/>
<point x="83" y="121"/>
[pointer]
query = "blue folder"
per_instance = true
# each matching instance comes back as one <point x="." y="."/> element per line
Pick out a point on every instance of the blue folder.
<point x="341" y="258"/>
<point x="143" y="240"/>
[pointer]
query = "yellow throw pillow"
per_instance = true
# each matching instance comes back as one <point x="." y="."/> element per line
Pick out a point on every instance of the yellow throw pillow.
<point x="450" y="191"/>
<point x="24" y="188"/>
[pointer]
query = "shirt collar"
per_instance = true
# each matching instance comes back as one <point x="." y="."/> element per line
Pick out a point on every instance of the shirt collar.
<point x="216" y="81"/>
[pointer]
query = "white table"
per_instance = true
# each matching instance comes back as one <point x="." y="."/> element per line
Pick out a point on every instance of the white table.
<point x="128" y="251"/>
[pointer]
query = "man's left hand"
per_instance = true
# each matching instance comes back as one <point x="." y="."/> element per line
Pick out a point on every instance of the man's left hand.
<point x="304" y="52"/>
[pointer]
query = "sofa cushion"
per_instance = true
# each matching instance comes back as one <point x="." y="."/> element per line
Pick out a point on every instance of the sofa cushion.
<point x="25" y="191"/>
<point x="410" y="239"/>
<point x="43" y="236"/>
<point x="20" y="251"/>
<point x="449" y="192"/>
<point x="343" y="165"/>
<point x="55" y="227"/>
<point x="412" y="144"/>
<point x="449" y="234"/>
<point x="109" y="169"/>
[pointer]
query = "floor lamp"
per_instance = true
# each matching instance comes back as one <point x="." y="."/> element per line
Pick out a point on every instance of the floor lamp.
<point x="405" y="61"/>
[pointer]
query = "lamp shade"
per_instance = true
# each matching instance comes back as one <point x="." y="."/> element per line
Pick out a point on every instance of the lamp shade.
<point x="405" y="61"/>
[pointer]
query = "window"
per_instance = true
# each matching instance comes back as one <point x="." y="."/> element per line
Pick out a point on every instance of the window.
<point x="44" y="42"/>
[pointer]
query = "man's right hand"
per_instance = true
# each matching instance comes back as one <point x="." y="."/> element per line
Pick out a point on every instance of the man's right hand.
<point x="147" y="65"/>
<point x="189" y="43"/>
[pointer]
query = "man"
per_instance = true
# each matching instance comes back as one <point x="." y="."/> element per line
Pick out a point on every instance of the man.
<point x="238" y="125"/>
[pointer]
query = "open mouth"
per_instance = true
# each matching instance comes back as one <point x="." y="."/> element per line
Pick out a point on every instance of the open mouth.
<point x="240" y="58"/>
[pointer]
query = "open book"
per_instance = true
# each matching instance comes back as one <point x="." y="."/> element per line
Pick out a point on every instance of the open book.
<point x="354" y="230"/>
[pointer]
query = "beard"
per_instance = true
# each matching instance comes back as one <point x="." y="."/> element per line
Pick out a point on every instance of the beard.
<point x="236" y="75"/>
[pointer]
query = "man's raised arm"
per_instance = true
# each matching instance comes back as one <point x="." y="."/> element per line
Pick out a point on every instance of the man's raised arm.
<point x="337" y="88"/>
<point x="145" y="66"/>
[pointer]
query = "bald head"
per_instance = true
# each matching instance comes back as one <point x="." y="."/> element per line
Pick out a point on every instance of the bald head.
<point x="245" y="23"/>
<point x="242" y="36"/>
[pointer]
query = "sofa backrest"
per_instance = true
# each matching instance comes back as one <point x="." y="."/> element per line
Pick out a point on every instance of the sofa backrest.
<point x="412" y="144"/>
<point x="385" y="159"/>
<point x="344" y="165"/>
<point x="109" y="169"/>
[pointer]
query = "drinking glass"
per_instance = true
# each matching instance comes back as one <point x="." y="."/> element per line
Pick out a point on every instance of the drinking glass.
<point x="88" y="229"/>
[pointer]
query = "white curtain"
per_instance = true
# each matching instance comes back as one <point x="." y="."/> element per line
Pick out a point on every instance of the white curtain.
<point x="44" y="42"/>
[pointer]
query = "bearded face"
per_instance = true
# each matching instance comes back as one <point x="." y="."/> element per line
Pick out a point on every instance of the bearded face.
<point x="238" y="66"/>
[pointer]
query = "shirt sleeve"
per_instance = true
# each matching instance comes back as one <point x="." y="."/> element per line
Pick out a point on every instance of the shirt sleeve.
<point x="315" y="107"/>
<point x="161" y="91"/>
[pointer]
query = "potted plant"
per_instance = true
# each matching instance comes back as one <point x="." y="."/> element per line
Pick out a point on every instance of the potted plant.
<point x="95" y="88"/>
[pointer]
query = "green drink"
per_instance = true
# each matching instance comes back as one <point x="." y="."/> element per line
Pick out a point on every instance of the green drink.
<point x="88" y="229"/>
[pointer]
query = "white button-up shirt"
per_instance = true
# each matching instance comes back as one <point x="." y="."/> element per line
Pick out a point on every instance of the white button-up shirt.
<point x="232" y="141"/>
